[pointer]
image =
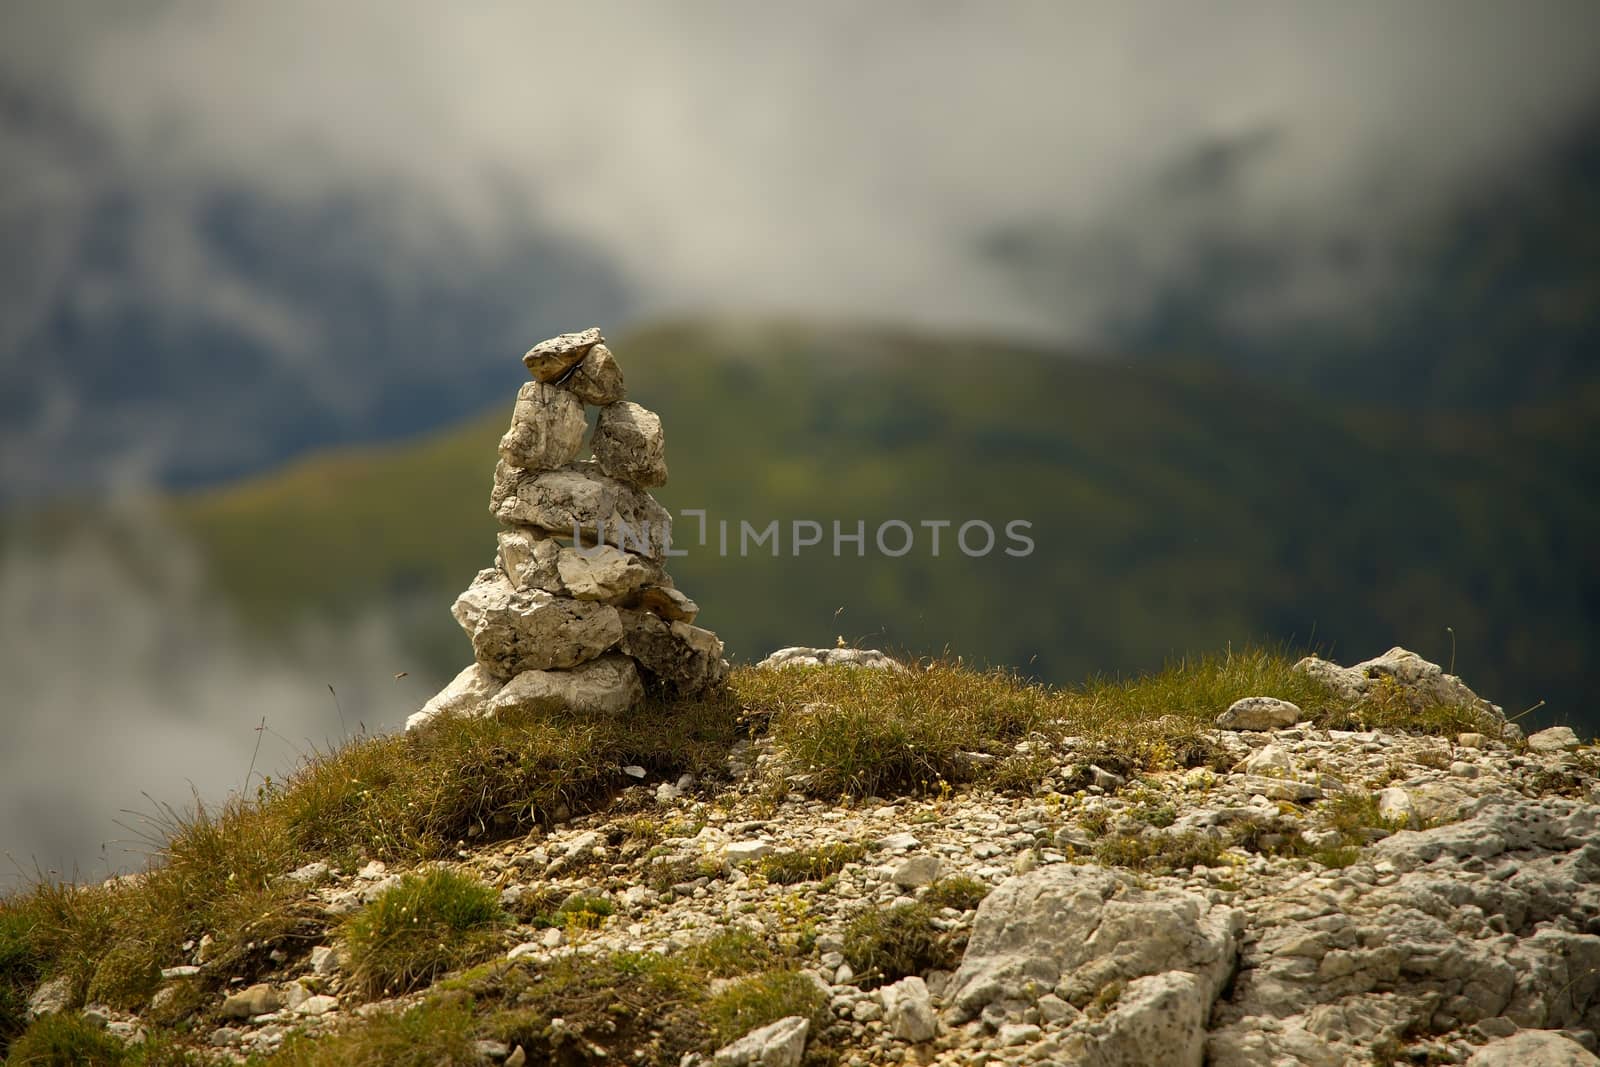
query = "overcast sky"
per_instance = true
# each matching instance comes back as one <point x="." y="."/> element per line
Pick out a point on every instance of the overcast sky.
<point x="844" y="158"/>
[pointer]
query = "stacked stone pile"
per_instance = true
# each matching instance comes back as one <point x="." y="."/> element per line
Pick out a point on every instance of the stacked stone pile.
<point x="578" y="610"/>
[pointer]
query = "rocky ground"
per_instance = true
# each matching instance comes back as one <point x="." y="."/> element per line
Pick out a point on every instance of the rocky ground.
<point x="1312" y="896"/>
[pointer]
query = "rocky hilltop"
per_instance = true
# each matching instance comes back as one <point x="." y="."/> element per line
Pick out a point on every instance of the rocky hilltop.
<point x="600" y="844"/>
<point x="889" y="862"/>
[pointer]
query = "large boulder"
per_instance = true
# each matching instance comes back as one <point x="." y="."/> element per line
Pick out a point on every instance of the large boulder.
<point x="1084" y="933"/>
<point x="1484" y="919"/>
<point x="606" y="686"/>
<point x="550" y="360"/>
<point x="547" y="428"/>
<point x="1422" y="684"/>
<point x="630" y="446"/>
<point x="466" y="694"/>
<point x="683" y="658"/>
<point x="581" y="502"/>
<point x="514" y="631"/>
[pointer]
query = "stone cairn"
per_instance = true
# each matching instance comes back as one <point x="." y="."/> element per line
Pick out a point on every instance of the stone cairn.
<point x="578" y="611"/>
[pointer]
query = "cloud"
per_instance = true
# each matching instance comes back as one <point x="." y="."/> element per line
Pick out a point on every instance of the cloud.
<point x="129" y="686"/>
<point x="835" y="158"/>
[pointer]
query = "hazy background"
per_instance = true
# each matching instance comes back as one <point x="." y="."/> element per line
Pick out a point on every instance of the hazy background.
<point x="1279" y="320"/>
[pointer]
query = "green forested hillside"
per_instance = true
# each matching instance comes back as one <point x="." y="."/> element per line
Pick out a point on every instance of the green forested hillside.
<point x="1174" y="507"/>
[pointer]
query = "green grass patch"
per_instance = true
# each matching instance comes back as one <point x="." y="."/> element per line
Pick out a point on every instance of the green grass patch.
<point x="880" y="732"/>
<point x="1354" y="814"/>
<point x="66" y="1040"/>
<point x="1159" y="852"/>
<point x="419" y="929"/>
<point x="765" y="998"/>
<point x="810" y="864"/>
<point x="21" y="958"/>
<point x="883" y="945"/>
<point x="440" y="1031"/>
<point x="403" y="798"/>
<point x="645" y="1007"/>
<point x="961" y="892"/>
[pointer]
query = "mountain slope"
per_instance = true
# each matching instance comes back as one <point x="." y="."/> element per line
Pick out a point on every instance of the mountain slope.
<point x="1173" y="508"/>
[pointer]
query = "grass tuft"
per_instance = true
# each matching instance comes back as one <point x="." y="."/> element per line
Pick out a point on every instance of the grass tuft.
<point x="1159" y="852"/>
<point x="859" y="732"/>
<point x="810" y="864"/>
<point x="439" y="1031"/>
<point x="960" y="892"/>
<point x="883" y="945"/>
<point x="65" y="1040"/>
<point x="419" y="929"/>
<point x="761" y="999"/>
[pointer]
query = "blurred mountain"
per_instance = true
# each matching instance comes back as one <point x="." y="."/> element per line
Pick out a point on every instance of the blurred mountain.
<point x="1175" y="507"/>
<point x="1483" y="303"/>
<point x="156" y="330"/>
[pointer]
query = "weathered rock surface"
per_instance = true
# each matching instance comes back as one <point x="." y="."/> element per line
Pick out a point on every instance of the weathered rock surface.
<point x="466" y="694"/>
<point x="51" y="997"/>
<point x="1555" y="739"/>
<point x="1489" y="918"/>
<point x="514" y="631"/>
<point x="547" y="427"/>
<point x="630" y="446"/>
<point x="549" y="360"/>
<point x="597" y="379"/>
<point x="682" y="657"/>
<point x="908" y="1010"/>
<point x="1075" y="931"/>
<point x="257" y="1000"/>
<point x="800" y="656"/>
<point x="665" y="600"/>
<point x="534" y="560"/>
<point x="780" y="1044"/>
<point x="1420" y="682"/>
<point x="609" y="685"/>
<point x="580" y="500"/>
<point x="1259" y="713"/>
<point x="1533" y="1048"/>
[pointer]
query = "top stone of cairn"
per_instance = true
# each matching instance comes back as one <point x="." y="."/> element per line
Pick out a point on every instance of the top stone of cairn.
<point x="548" y="360"/>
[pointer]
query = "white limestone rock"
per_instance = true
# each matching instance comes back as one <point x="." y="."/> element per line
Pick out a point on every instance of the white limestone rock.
<point x="630" y="445"/>
<point x="549" y="360"/>
<point x="547" y="428"/>
<point x="1075" y="930"/>
<point x="684" y="658"/>
<point x="917" y="871"/>
<point x="259" y="999"/>
<point x="1555" y="739"/>
<point x="514" y="631"/>
<point x="1534" y="1048"/>
<point x="466" y="694"/>
<point x="597" y="379"/>
<point x="779" y="1044"/>
<point x="609" y="685"/>
<point x="1481" y="920"/>
<point x="581" y="501"/>
<point x="51" y="998"/>
<point x="801" y="656"/>
<point x="535" y="560"/>
<point x="908" y="1010"/>
<point x="1259" y="713"/>
<point x="1421" y="683"/>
